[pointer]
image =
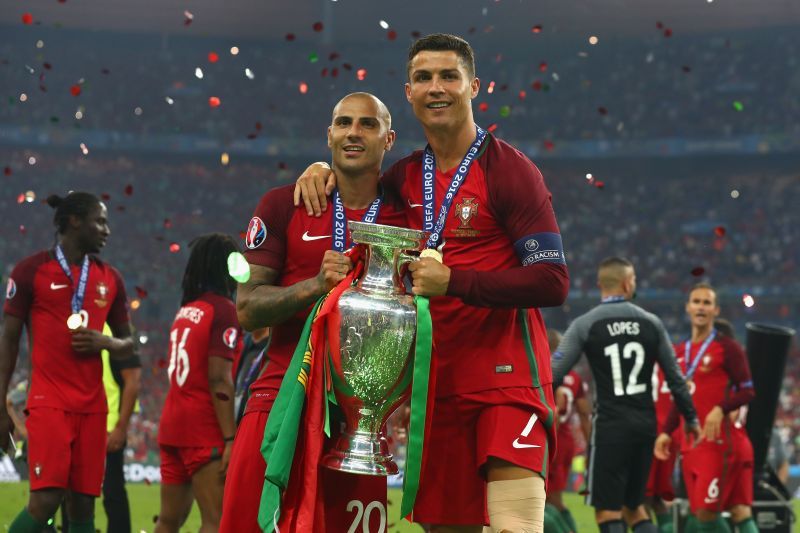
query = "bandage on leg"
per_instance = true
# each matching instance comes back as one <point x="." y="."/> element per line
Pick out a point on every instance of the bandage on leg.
<point x="516" y="505"/>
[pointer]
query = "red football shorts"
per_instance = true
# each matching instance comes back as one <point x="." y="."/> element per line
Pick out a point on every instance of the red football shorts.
<point x="561" y="465"/>
<point x="350" y="500"/>
<point x="66" y="450"/>
<point x="659" y="484"/>
<point x="245" y="477"/>
<point x="466" y="430"/>
<point x="180" y="463"/>
<point x="719" y="475"/>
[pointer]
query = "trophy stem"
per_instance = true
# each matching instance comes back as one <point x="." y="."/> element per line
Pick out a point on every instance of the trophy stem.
<point x="361" y="452"/>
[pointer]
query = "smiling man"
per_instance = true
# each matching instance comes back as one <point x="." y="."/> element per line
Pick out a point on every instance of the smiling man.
<point x="285" y="248"/>
<point x="494" y="257"/>
<point x="63" y="296"/>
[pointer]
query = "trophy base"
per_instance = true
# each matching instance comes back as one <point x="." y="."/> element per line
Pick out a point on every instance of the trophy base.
<point x="361" y="453"/>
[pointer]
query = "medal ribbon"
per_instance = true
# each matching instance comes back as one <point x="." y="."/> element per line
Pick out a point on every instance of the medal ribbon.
<point x="700" y="353"/>
<point x="429" y="189"/>
<point x="340" y="220"/>
<point x="79" y="292"/>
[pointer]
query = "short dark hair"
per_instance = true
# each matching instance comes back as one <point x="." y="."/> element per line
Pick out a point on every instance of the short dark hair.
<point x="207" y="268"/>
<point x="443" y="42"/>
<point x="78" y="204"/>
<point x="615" y="261"/>
<point x="705" y="285"/>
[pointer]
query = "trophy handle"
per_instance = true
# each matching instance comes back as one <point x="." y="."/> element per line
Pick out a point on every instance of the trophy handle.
<point x="403" y="259"/>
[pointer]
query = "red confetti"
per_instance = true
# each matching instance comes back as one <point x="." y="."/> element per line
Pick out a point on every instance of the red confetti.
<point x="698" y="271"/>
<point x="22" y="229"/>
<point x="42" y="88"/>
<point x="537" y="29"/>
<point x="522" y="95"/>
<point x="492" y="127"/>
<point x="391" y="35"/>
<point x="75" y="90"/>
<point x="140" y="292"/>
<point x="602" y="110"/>
<point x="290" y="37"/>
<point x="333" y="56"/>
<point x="549" y="145"/>
<point x="252" y="136"/>
<point x="242" y="234"/>
<point x="7" y="171"/>
<point x="174" y="247"/>
<point x="668" y="33"/>
<point x="282" y="165"/>
<point x="719" y="231"/>
<point x="213" y="57"/>
<point x="416" y="34"/>
<point x="222" y="396"/>
<point x="161" y="363"/>
<point x="105" y="197"/>
<point x="21" y="198"/>
<point x="659" y="25"/>
<point x="317" y="27"/>
<point x="258" y="126"/>
<point x="484" y="107"/>
<point x="167" y="223"/>
<point x="120" y="208"/>
<point x="537" y="85"/>
<point x="347" y="66"/>
<point x="303" y="88"/>
<point x="214" y="101"/>
<point x="27" y="18"/>
<point x="324" y="72"/>
<point x="334" y="72"/>
<point x="361" y="74"/>
<point x="599" y="184"/>
<point x="543" y="66"/>
<point x="48" y="66"/>
<point x="187" y="18"/>
<point x="129" y="190"/>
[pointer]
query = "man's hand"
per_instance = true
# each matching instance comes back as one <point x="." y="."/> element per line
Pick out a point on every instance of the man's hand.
<point x="335" y="266"/>
<point x="313" y="187"/>
<point x="86" y="340"/>
<point x="661" y="448"/>
<point x="713" y="424"/>
<point x="692" y="433"/>
<point x="226" y="458"/>
<point x="116" y="439"/>
<point x="430" y="277"/>
<point x="6" y="427"/>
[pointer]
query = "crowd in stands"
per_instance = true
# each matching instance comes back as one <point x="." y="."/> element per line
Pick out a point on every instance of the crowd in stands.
<point x="710" y="85"/>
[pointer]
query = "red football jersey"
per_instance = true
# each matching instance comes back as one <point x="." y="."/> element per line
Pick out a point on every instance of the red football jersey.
<point x="39" y="293"/>
<point x="206" y="327"/>
<point x="491" y="217"/>
<point x="284" y="238"/>
<point x="575" y="389"/>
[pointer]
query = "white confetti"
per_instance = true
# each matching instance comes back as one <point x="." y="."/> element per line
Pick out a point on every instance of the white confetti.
<point x="198" y="73"/>
<point x="249" y="74"/>
<point x="384" y="24"/>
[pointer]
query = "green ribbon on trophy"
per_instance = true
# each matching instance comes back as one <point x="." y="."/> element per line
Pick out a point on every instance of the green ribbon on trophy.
<point x="419" y="405"/>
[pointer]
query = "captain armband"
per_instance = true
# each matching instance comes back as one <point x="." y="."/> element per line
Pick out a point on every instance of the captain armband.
<point x="545" y="247"/>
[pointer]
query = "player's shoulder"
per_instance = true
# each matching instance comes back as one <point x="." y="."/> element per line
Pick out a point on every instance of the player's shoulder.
<point x="504" y="156"/>
<point x="215" y="300"/>
<point x="34" y="261"/>
<point x="728" y="343"/>
<point x="281" y="194"/>
<point x="105" y="267"/>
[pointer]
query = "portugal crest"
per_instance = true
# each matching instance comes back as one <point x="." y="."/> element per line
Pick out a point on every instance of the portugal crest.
<point x="102" y="293"/>
<point x="465" y="211"/>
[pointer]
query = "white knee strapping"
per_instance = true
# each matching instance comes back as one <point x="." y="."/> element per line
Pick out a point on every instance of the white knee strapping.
<point x="517" y="505"/>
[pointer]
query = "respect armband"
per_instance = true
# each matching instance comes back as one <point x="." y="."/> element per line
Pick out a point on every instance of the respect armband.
<point x="545" y="247"/>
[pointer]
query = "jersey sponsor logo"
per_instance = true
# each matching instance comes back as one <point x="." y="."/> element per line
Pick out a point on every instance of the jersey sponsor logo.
<point x="503" y="369"/>
<point x="525" y="432"/>
<point x="229" y="337"/>
<point x="11" y="288"/>
<point x="531" y="245"/>
<point x="466" y="210"/>
<point x="307" y="237"/>
<point x="56" y="286"/>
<point x="410" y="204"/>
<point x="256" y="233"/>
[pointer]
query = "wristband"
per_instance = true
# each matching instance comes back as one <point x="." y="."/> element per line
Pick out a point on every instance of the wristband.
<point x="228" y="439"/>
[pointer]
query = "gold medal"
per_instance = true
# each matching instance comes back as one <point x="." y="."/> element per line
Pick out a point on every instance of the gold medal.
<point x="74" y="321"/>
<point x="430" y="252"/>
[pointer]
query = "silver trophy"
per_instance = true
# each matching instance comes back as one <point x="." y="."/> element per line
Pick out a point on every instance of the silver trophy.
<point x="372" y="370"/>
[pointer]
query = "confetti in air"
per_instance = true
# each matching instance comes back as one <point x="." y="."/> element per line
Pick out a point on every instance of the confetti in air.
<point x="27" y="18"/>
<point x="719" y="231"/>
<point x="249" y="73"/>
<point x="213" y="57"/>
<point x="214" y="102"/>
<point x="174" y="247"/>
<point x="303" y="87"/>
<point x="361" y="74"/>
<point x="748" y="300"/>
<point x="238" y="267"/>
<point x="698" y="271"/>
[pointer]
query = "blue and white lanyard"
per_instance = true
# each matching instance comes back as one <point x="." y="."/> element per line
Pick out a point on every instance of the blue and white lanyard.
<point x="340" y="219"/>
<point x="429" y="188"/>
<point x="79" y="292"/>
<point x="700" y="353"/>
<point x="612" y="299"/>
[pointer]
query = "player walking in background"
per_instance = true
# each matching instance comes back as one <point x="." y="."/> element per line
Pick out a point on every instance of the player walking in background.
<point x="285" y="250"/>
<point x="197" y="423"/>
<point x="63" y="296"/>
<point x="571" y="398"/>
<point x="718" y="470"/>
<point x="622" y="342"/>
<point x="500" y="257"/>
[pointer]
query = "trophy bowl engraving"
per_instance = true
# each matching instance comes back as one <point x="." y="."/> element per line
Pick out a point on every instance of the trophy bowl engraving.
<point x="373" y="367"/>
